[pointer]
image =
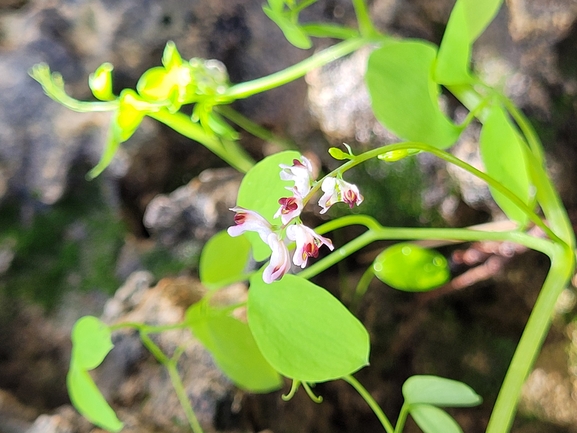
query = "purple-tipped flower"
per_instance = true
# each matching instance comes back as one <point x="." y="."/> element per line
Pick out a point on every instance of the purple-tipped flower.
<point x="248" y="220"/>
<point x="307" y="243"/>
<point x="301" y="172"/>
<point x="279" y="260"/>
<point x="337" y="190"/>
<point x="290" y="207"/>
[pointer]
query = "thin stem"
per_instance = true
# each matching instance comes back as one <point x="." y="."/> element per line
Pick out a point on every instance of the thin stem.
<point x="526" y="128"/>
<point x="562" y="263"/>
<point x="366" y="26"/>
<point x="459" y="163"/>
<point x="402" y="419"/>
<point x="371" y="402"/>
<point x="148" y="329"/>
<point x="233" y="154"/>
<point x="171" y="366"/>
<point x="249" y="88"/>
<point x="362" y="287"/>
<point x="249" y="126"/>
<point x="410" y="233"/>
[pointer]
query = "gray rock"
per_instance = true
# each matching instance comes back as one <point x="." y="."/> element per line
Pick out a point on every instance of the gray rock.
<point x="194" y="211"/>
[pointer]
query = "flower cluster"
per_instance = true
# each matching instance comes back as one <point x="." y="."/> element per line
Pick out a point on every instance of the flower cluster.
<point x="306" y="239"/>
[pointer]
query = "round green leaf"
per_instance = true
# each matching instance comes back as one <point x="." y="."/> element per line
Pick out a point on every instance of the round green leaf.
<point x="411" y="268"/>
<point x="88" y="400"/>
<point x="431" y="419"/>
<point x="223" y="259"/>
<point x="439" y="391"/>
<point x="233" y="348"/>
<point x="260" y="190"/>
<point x="404" y="95"/>
<point x="303" y="331"/>
<point x="91" y="342"/>
<point x="503" y="154"/>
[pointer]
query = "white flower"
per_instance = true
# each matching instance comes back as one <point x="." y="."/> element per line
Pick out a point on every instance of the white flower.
<point x="337" y="190"/>
<point x="279" y="260"/>
<point x="307" y="243"/>
<point x="301" y="172"/>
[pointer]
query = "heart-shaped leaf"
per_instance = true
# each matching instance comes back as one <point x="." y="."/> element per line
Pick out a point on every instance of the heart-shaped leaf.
<point x="303" y="331"/>
<point x="91" y="342"/>
<point x="233" y="348"/>
<point x="404" y="96"/>
<point x="467" y="21"/>
<point x="431" y="419"/>
<point x="223" y="259"/>
<point x="88" y="400"/>
<point x="439" y="391"/>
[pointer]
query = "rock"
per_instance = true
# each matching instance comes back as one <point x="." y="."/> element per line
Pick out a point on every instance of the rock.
<point x="195" y="211"/>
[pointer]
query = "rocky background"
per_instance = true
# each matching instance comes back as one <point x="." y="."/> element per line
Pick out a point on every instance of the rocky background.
<point x="67" y="245"/>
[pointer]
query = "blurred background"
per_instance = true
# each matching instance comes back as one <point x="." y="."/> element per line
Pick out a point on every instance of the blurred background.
<point x="125" y="246"/>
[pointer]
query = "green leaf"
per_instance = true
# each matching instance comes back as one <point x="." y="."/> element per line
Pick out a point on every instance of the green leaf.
<point x="404" y="96"/>
<point x="468" y="20"/>
<point x="91" y="342"/>
<point x="233" y="348"/>
<point x="503" y="154"/>
<point x="88" y="400"/>
<point x="291" y="30"/>
<point x="260" y="190"/>
<point x="409" y="267"/>
<point x="223" y="258"/>
<point x="303" y="331"/>
<point x="439" y="391"/>
<point x="431" y="419"/>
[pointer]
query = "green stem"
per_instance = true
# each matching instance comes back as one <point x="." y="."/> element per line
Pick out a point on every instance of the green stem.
<point x="562" y="263"/>
<point x="148" y="329"/>
<point x="362" y="287"/>
<point x="233" y="154"/>
<point x="171" y="367"/>
<point x="371" y="402"/>
<point x="401" y="421"/>
<point x="411" y="233"/>
<point x="249" y="126"/>
<point x="526" y="129"/>
<point x="453" y="160"/>
<point x="366" y="26"/>
<point x="249" y="88"/>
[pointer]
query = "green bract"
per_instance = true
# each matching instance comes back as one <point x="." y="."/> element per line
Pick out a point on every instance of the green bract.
<point x="233" y="347"/>
<point x="260" y="190"/>
<point x="303" y="331"/>
<point x="291" y="30"/>
<point x="409" y="267"/>
<point x="504" y="155"/>
<point x="91" y="343"/>
<point x="100" y="82"/>
<point x="404" y="96"/>
<point x="223" y="259"/>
